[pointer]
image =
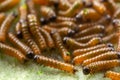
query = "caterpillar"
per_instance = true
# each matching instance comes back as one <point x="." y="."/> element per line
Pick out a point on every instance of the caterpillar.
<point x="58" y="41"/>
<point x="100" y="66"/>
<point x="76" y="45"/>
<point x="87" y="14"/>
<point x="106" y="56"/>
<point x="2" y="17"/>
<point x="23" y="47"/>
<point x="64" y="4"/>
<point x="5" y="5"/>
<point x="84" y="50"/>
<point x="48" y="38"/>
<point x="49" y="28"/>
<point x="77" y="5"/>
<point x="6" y="25"/>
<point x="34" y="29"/>
<point x="55" y="64"/>
<point x="92" y="30"/>
<point x="13" y="52"/>
<point x="18" y="30"/>
<point x="61" y="19"/>
<point x="112" y="75"/>
<point x="88" y="37"/>
<point x="79" y="59"/>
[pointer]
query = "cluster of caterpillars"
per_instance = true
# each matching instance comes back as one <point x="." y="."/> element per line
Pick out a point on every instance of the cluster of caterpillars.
<point x="83" y="32"/>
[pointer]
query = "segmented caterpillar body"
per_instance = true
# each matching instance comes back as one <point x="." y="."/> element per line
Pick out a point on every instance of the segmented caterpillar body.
<point x="2" y="17"/>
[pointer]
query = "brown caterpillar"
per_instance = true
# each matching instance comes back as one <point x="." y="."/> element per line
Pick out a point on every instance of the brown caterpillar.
<point x="99" y="7"/>
<point x="68" y="24"/>
<point x="105" y="19"/>
<point x="18" y="30"/>
<point x="8" y="4"/>
<point x="65" y="31"/>
<point x="87" y="14"/>
<point x="76" y="45"/>
<point x="6" y="25"/>
<point x="48" y="13"/>
<point x="88" y="37"/>
<point x="77" y="5"/>
<point x="100" y="66"/>
<point x="48" y="28"/>
<point x="116" y="14"/>
<point x="55" y="64"/>
<point x="92" y="30"/>
<point x="34" y="29"/>
<point x="79" y="59"/>
<point x="58" y="41"/>
<point x="85" y="50"/>
<point x="112" y="75"/>
<point x="61" y="19"/>
<point x="48" y="38"/>
<point x="64" y="4"/>
<point x="23" y="47"/>
<point x="28" y="38"/>
<point x="13" y="52"/>
<point x="2" y="17"/>
<point x="106" y="56"/>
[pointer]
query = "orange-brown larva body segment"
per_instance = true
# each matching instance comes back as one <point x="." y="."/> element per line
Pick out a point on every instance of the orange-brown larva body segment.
<point x="79" y="59"/>
<point x="106" y="56"/>
<point x="34" y="29"/>
<point x="48" y="38"/>
<point x="61" y="18"/>
<point x="18" y="30"/>
<point x="100" y="66"/>
<point x="28" y="38"/>
<point x="82" y="51"/>
<point x="71" y="43"/>
<point x="99" y="7"/>
<point x="88" y="37"/>
<point x="41" y="2"/>
<point x="92" y="30"/>
<point x="72" y="10"/>
<point x="64" y="4"/>
<point x="55" y="64"/>
<point x="88" y="14"/>
<point x="49" y="28"/>
<point x="6" y="25"/>
<point x="12" y="52"/>
<point x="59" y="44"/>
<point x="7" y="4"/>
<point x="2" y="17"/>
<point x="23" y="47"/>
<point x="112" y="75"/>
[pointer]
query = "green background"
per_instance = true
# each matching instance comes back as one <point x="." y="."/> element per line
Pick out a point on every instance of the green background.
<point x="11" y="69"/>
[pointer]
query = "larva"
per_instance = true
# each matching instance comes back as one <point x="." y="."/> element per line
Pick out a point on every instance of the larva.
<point x="48" y="38"/>
<point x="116" y="14"/>
<point x="79" y="59"/>
<point x="106" y="56"/>
<point x="34" y="29"/>
<point x="91" y="30"/>
<point x="28" y="38"/>
<point x="76" y="45"/>
<point x="48" y="13"/>
<point x="55" y="64"/>
<point x="100" y="66"/>
<point x="68" y="24"/>
<point x="65" y="31"/>
<point x="113" y="38"/>
<point x="2" y="17"/>
<point x="49" y="28"/>
<point x="64" y="4"/>
<point x="61" y="19"/>
<point x="87" y="14"/>
<point x="23" y="47"/>
<point x="13" y="52"/>
<point x="5" y="5"/>
<point x="18" y="30"/>
<point x="6" y="25"/>
<point x="105" y="19"/>
<point x="112" y="75"/>
<point x="99" y="7"/>
<point x="85" y="50"/>
<point x="88" y="37"/>
<point x="72" y="10"/>
<point x="58" y="41"/>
